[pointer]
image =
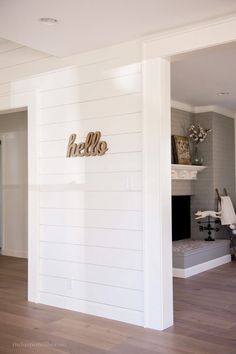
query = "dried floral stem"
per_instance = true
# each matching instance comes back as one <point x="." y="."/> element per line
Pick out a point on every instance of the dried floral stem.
<point x="198" y="134"/>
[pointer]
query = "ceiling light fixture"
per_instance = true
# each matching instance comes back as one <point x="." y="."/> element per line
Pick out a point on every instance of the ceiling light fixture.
<point x="48" y="20"/>
<point x="223" y="93"/>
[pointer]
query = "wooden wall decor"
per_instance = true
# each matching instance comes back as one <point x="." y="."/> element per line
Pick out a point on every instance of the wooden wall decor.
<point x="91" y="147"/>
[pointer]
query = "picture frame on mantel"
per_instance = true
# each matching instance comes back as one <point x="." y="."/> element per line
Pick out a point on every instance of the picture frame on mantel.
<point x="181" y="150"/>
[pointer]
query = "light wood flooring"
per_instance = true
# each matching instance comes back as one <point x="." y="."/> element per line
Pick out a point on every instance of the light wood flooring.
<point x="205" y="320"/>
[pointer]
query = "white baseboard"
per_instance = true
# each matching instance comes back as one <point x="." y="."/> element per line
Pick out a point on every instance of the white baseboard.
<point x="199" y="268"/>
<point x="14" y="253"/>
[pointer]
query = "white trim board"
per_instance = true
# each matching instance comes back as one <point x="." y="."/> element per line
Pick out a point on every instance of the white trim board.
<point x="217" y="109"/>
<point x="14" y="253"/>
<point x="158" y="293"/>
<point x="193" y="37"/>
<point x="202" y="109"/>
<point x="202" y="267"/>
<point x="182" y="106"/>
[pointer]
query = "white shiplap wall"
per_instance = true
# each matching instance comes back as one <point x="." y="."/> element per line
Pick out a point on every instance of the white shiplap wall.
<point x="91" y="208"/>
<point x="91" y="241"/>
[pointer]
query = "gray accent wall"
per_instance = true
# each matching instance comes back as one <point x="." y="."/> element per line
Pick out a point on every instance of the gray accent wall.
<point x="219" y="157"/>
<point x="204" y="194"/>
<point x="224" y="159"/>
<point x="224" y="153"/>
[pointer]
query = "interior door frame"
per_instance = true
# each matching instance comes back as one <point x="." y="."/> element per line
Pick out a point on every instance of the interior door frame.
<point x="26" y="100"/>
<point x="156" y="77"/>
<point x="2" y="195"/>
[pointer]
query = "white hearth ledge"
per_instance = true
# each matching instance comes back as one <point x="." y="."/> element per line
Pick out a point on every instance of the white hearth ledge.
<point x="185" y="172"/>
<point x="202" y="267"/>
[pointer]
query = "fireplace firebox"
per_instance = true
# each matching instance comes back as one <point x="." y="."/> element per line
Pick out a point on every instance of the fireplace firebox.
<point x="181" y="217"/>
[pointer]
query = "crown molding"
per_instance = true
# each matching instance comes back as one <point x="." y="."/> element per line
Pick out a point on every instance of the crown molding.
<point x="203" y="109"/>
<point x="190" y="28"/>
<point x="217" y="109"/>
<point x="182" y="106"/>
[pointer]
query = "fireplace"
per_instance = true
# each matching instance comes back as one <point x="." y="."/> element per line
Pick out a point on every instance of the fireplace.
<point x="181" y="217"/>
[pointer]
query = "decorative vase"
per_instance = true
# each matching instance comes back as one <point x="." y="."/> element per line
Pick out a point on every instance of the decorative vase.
<point x="197" y="157"/>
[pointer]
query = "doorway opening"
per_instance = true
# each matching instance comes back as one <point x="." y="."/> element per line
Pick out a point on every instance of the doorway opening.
<point x="202" y="117"/>
<point x="158" y="52"/>
<point x="14" y="193"/>
<point x="203" y="93"/>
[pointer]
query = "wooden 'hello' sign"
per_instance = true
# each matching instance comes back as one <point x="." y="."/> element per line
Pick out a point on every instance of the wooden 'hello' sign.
<point x="92" y="146"/>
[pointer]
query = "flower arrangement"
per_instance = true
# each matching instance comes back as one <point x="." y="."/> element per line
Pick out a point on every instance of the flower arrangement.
<point x="197" y="133"/>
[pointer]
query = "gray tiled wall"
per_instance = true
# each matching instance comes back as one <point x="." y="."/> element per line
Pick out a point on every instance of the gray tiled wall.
<point x="204" y="195"/>
<point x="224" y="158"/>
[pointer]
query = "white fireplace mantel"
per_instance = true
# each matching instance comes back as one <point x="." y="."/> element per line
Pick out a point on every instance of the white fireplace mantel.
<point x="185" y="172"/>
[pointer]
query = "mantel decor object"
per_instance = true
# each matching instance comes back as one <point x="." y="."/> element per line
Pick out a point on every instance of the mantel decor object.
<point x="197" y="156"/>
<point x="181" y="150"/>
<point x="208" y="224"/>
<point x="197" y="135"/>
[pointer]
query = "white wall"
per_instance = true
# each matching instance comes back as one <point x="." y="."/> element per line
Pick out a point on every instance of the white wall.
<point x="91" y="208"/>
<point x="91" y="232"/>
<point x="13" y="133"/>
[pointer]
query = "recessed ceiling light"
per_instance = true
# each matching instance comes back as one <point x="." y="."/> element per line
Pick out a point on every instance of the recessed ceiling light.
<point x="223" y="93"/>
<point x="48" y="20"/>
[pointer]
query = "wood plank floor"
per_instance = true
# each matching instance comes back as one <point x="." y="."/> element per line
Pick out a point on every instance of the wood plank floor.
<point x="205" y="320"/>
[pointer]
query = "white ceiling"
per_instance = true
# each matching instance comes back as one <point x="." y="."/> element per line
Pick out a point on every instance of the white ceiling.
<point x="89" y="24"/>
<point x="196" y="78"/>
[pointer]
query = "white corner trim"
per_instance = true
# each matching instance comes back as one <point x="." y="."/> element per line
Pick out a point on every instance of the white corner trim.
<point x="14" y="253"/>
<point x="202" y="109"/>
<point x="157" y="240"/>
<point x="199" y="268"/>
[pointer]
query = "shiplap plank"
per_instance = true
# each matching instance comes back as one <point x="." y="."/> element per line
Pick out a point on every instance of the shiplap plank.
<point x="18" y="72"/>
<point x="6" y="45"/>
<point x="107" y="107"/>
<point x="114" y="296"/>
<point x="15" y="101"/>
<point x="129" y="52"/>
<point x="118" y="258"/>
<point x="124" y="239"/>
<point x="118" y="181"/>
<point x="92" y="91"/>
<point x="92" y="200"/>
<point x="5" y="88"/>
<point x="124" y="278"/>
<point x="129" y="123"/>
<point x="109" y="219"/>
<point x="107" y="163"/>
<point x="130" y="143"/>
<point x="19" y="55"/>
<point x="95" y="309"/>
<point x="81" y="74"/>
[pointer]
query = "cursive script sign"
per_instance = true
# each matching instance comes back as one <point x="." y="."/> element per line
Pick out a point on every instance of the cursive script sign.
<point x="91" y="147"/>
